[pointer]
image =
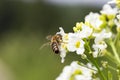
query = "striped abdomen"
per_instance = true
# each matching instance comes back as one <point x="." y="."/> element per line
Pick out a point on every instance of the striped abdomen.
<point x="55" y="47"/>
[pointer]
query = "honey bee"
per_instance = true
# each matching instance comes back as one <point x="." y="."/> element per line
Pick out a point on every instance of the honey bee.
<point x="55" y="42"/>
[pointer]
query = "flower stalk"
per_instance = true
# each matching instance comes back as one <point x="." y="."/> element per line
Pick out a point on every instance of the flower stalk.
<point x="115" y="51"/>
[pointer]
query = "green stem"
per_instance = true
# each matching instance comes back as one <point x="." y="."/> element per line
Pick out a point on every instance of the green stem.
<point x="118" y="72"/>
<point x="116" y="38"/>
<point x="109" y="76"/>
<point x="97" y="66"/>
<point x="114" y="51"/>
<point x="111" y="57"/>
<point x="111" y="67"/>
<point x="88" y="46"/>
<point x="119" y="77"/>
<point x="92" y="60"/>
<point x="87" y="66"/>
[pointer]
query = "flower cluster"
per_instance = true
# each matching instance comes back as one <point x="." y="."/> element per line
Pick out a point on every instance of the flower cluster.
<point x="77" y="72"/>
<point x="96" y="26"/>
<point x="91" y="38"/>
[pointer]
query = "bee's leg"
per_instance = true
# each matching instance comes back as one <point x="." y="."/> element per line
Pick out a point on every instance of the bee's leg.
<point x="45" y="44"/>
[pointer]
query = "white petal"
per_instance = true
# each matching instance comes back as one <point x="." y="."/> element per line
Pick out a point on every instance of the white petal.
<point x="62" y="55"/>
<point x="101" y="36"/>
<point x="86" y="31"/>
<point x="80" y="51"/>
<point x="95" y="54"/>
<point x="71" y="47"/>
<point x="108" y="10"/>
<point x="68" y="71"/>
<point x="61" y="31"/>
<point x="94" y="19"/>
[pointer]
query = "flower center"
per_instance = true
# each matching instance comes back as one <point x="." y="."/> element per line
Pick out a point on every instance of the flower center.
<point x="63" y="46"/>
<point x="76" y="72"/>
<point x="77" y="44"/>
<point x="66" y="37"/>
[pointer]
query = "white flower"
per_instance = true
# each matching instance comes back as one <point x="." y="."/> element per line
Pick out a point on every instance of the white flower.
<point x="75" y="43"/>
<point x="63" y="52"/>
<point x="118" y="16"/>
<point x="100" y="45"/>
<point x="117" y="22"/>
<point x="63" y="45"/>
<point x="94" y="20"/>
<point x="114" y="2"/>
<point x="75" y="72"/>
<point x="99" y="48"/>
<point x="102" y="35"/>
<point x="63" y="34"/>
<point x="108" y="10"/>
<point x="85" y="32"/>
<point x="90" y="66"/>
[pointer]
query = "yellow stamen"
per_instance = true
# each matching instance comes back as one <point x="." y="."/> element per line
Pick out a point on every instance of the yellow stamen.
<point x="75" y="29"/>
<point x="79" y="25"/>
<point x="63" y="46"/>
<point x="75" y="73"/>
<point x="77" y="44"/>
<point x="78" y="72"/>
<point x="66" y="37"/>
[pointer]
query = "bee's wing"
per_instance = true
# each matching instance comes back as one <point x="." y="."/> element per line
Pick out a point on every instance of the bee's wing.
<point x="49" y="37"/>
<point x="45" y="44"/>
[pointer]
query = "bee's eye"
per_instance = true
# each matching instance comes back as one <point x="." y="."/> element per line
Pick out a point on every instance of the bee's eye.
<point x="61" y="38"/>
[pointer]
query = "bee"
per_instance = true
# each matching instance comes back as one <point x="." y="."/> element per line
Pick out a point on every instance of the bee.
<point x="55" y="42"/>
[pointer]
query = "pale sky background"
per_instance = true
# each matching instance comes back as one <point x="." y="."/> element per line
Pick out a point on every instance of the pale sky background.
<point x="97" y="3"/>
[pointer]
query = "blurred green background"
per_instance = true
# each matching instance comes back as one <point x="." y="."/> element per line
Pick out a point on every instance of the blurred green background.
<point x="23" y="29"/>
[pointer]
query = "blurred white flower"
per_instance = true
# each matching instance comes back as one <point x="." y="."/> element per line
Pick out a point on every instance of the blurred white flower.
<point x="75" y="72"/>
<point x="5" y="72"/>
<point x="118" y="16"/>
<point x="75" y="43"/>
<point x="108" y="10"/>
<point x="114" y="2"/>
<point x="117" y="22"/>
<point x="100" y="44"/>
<point x="94" y="20"/>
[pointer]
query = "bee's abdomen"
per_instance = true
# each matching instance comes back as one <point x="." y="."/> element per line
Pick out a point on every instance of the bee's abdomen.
<point x="55" y="48"/>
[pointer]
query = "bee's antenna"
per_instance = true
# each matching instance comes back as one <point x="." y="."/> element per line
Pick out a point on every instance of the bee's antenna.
<point x="45" y="44"/>
<point x="49" y="37"/>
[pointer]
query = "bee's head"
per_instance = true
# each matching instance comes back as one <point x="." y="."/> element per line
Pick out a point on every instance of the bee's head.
<point x="59" y="37"/>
